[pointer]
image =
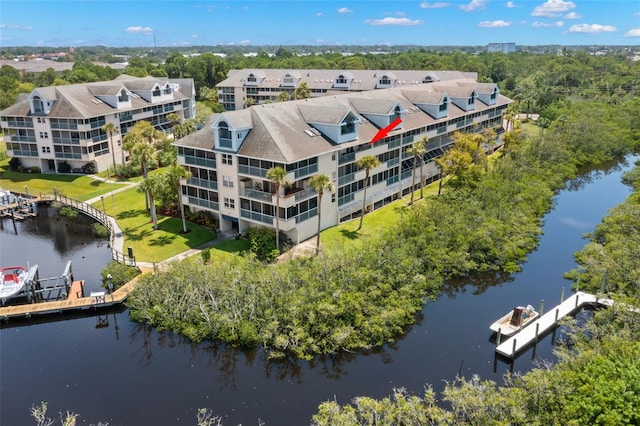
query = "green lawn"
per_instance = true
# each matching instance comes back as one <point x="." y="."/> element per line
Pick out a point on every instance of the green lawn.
<point x="149" y="245"/>
<point x="347" y="234"/>
<point x="78" y="187"/>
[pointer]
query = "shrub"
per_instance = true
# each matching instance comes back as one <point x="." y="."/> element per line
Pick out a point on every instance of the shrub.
<point x="64" y="167"/>
<point x="89" y="168"/>
<point x="263" y="243"/>
<point x="69" y="212"/>
<point x="206" y="255"/>
<point x="128" y="170"/>
<point x="15" y="164"/>
<point x="120" y="274"/>
<point x="100" y="230"/>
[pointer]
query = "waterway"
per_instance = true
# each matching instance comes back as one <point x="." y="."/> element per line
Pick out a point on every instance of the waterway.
<point x="110" y="369"/>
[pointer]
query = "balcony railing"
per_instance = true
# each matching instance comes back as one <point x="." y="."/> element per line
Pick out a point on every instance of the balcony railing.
<point x="19" y="138"/>
<point x="199" y="161"/>
<point x="346" y="199"/>
<point x="211" y="205"/>
<point x="66" y="141"/>
<point x="257" y="195"/>
<point x="68" y="155"/>
<point x="24" y="153"/>
<point x="259" y="217"/>
<point x="252" y="171"/>
<point x="307" y="215"/>
<point x="342" y="180"/>
<point x="306" y="171"/>
<point x="347" y="158"/>
<point x="304" y="194"/>
<point x="203" y="183"/>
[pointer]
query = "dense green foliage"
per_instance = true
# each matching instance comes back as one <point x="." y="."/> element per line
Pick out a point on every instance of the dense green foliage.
<point x="354" y="299"/>
<point x="120" y="274"/>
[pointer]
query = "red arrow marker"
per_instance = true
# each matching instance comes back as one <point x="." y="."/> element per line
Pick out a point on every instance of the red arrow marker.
<point x="382" y="133"/>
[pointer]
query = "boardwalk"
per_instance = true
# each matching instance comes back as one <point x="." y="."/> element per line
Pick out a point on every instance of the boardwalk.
<point x="98" y="301"/>
<point x="529" y="335"/>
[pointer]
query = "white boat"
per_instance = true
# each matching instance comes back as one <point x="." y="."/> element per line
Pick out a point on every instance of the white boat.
<point x="514" y="320"/>
<point x="13" y="281"/>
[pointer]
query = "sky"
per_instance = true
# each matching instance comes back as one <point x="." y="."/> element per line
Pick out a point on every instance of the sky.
<point x="150" y="23"/>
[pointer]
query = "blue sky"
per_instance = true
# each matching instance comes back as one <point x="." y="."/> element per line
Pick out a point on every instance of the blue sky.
<point x="286" y="22"/>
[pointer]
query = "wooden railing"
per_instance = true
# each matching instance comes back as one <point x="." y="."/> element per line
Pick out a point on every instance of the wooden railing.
<point x="101" y="217"/>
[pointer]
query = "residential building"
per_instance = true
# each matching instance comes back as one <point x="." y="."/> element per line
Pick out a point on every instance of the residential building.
<point x="230" y="156"/>
<point x="257" y="86"/>
<point x="58" y="124"/>
<point x="501" y="47"/>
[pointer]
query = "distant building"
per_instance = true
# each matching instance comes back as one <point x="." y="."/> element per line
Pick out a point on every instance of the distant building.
<point x="60" y="124"/>
<point x="501" y="47"/>
<point x="265" y="85"/>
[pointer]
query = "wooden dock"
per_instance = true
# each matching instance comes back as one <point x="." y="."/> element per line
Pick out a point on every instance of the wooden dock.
<point x="98" y="300"/>
<point x="529" y="335"/>
<point x="77" y="290"/>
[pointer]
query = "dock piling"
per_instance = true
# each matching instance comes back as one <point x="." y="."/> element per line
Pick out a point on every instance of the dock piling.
<point x="562" y="295"/>
<point x="541" y="306"/>
<point x="498" y="336"/>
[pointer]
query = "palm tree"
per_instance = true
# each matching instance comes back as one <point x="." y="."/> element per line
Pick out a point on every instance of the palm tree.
<point x="110" y="129"/>
<point x="277" y="175"/>
<point x="175" y="120"/>
<point x="367" y="162"/>
<point x="302" y="91"/>
<point x="141" y="147"/>
<point x="320" y="183"/>
<point x="175" y="174"/>
<point x="283" y="97"/>
<point x="417" y="149"/>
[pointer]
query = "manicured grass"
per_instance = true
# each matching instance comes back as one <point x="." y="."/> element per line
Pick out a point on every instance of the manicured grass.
<point x="149" y="245"/>
<point x="78" y="187"/>
<point x="347" y="234"/>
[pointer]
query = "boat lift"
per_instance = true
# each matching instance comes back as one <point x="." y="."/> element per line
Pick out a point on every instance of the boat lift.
<point x="38" y="289"/>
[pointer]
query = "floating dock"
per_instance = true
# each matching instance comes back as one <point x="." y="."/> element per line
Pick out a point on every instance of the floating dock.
<point x="529" y="335"/>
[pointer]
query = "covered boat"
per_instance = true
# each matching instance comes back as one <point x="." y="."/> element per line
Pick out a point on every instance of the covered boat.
<point x="13" y="281"/>
<point x="514" y="320"/>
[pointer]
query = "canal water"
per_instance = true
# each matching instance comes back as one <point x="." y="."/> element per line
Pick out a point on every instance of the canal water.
<point x="110" y="369"/>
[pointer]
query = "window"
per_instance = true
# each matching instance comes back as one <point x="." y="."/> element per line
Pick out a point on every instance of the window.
<point x="227" y="181"/>
<point x="46" y="150"/>
<point x="229" y="203"/>
<point x="385" y="81"/>
<point x="227" y="159"/>
<point x="251" y="78"/>
<point x="44" y="135"/>
<point x="443" y="105"/>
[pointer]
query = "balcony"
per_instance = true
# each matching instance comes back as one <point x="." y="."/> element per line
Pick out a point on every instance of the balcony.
<point x="343" y="180"/>
<point x="199" y="161"/>
<point x="266" y="197"/>
<point x="347" y="158"/>
<point x="251" y="170"/>
<point x="307" y="215"/>
<point x="203" y="183"/>
<point x="23" y="153"/>
<point x="306" y="171"/>
<point x="211" y="205"/>
<point x="304" y="194"/>
<point x="258" y="217"/>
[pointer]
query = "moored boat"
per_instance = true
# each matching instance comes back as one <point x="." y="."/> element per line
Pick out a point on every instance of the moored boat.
<point x="519" y="317"/>
<point x="13" y="281"/>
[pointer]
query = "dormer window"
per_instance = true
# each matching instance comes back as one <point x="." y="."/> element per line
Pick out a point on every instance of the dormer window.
<point x="287" y="79"/>
<point x="341" y="79"/>
<point x="156" y="92"/>
<point x="472" y="98"/>
<point x="427" y="79"/>
<point x="252" y="78"/>
<point x="494" y="94"/>
<point x="225" y="135"/>
<point x="38" y="105"/>
<point x="167" y="89"/>
<point x="443" y="105"/>
<point x="385" y="81"/>
<point x="124" y="96"/>
<point x="397" y="113"/>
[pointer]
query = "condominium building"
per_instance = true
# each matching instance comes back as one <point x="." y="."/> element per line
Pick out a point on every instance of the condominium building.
<point x="230" y="156"/>
<point x="248" y="87"/>
<point x="501" y="47"/>
<point x="63" y="124"/>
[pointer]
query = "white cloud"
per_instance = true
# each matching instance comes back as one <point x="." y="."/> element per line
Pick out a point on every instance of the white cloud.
<point x="401" y="22"/>
<point x="511" y="4"/>
<point x="592" y="28"/>
<point x="475" y="4"/>
<point x="344" y="10"/>
<point x="16" y="27"/>
<point x="437" y="5"/>
<point x="494" y="24"/>
<point x="538" y="24"/>
<point x="319" y="14"/>
<point x="144" y="30"/>
<point x="244" y="42"/>
<point x="572" y="15"/>
<point x="633" y="33"/>
<point x="553" y="8"/>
